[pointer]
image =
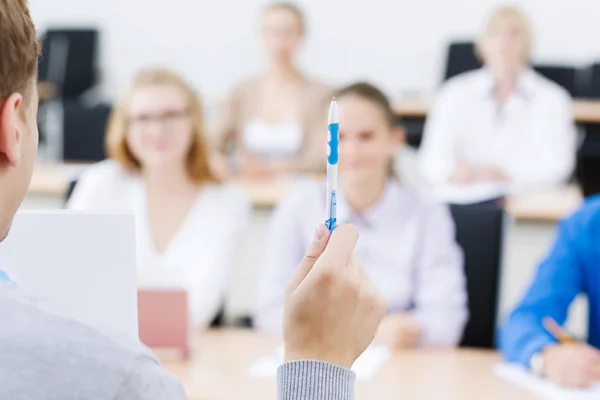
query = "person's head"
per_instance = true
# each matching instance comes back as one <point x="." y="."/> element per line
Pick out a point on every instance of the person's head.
<point x="369" y="134"/>
<point x="19" y="51"/>
<point x="506" y="42"/>
<point x="158" y="124"/>
<point x="282" y="31"/>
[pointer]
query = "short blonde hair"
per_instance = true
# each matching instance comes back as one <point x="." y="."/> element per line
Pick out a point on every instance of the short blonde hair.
<point x="507" y="12"/>
<point x="198" y="162"/>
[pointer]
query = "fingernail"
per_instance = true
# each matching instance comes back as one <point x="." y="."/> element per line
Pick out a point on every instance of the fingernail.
<point x="319" y="232"/>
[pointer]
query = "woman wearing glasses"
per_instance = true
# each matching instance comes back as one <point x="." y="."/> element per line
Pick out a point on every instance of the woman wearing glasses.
<point x="188" y="223"/>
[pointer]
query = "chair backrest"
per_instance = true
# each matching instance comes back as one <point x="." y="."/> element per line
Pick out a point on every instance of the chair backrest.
<point x="69" y="60"/>
<point x="588" y="163"/>
<point x="461" y="58"/>
<point x="589" y="82"/>
<point x="564" y="76"/>
<point x="83" y="131"/>
<point x="479" y="231"/>
<point x="70" y="190"/>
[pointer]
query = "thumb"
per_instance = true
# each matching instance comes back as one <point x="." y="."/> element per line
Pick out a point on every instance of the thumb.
<point x="314" y="251"/>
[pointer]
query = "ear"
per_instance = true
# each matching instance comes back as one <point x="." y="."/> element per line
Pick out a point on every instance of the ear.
<point x="10" y="130"/>
<point x="399" y="136"/>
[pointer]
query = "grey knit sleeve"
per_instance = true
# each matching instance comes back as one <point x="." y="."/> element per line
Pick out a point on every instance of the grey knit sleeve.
<point x="314" y="380"/>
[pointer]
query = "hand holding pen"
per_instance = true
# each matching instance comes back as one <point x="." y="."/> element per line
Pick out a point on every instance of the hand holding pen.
<point x="569" y="363"/>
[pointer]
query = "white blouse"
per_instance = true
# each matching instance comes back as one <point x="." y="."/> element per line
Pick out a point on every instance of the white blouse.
<point x="406" y="245"/>
<point x="531" y="137"/>
<point x="199" y="257"/>
<point x="272" y="142"/>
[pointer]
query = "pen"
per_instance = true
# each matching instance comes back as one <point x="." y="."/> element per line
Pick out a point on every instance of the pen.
<point x="559" y="333"/>
<point x="333" y="140"/>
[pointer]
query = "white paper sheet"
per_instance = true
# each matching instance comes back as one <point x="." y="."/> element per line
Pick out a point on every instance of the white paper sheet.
<point x="546" y="390"/>
<point x="366" y="367"/>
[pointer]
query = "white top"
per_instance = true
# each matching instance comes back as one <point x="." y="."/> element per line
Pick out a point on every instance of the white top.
<point x="272" y="142"/>
<point x="406" y="245"/>
<point x="200" y="256"/>
<point x="531" y="137"/>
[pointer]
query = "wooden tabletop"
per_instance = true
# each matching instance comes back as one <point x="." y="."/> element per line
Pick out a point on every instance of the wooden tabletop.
<point x="218" y="371"/>
<point x="53" y="180"/>
<point x="549" y="204"/>
<point x="584" y="111"/>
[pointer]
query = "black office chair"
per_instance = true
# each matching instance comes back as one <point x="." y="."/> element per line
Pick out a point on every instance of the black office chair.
<point x="588" y="156"/>
<point x="69" y="60"/>
<point x="83" y="131"/>
<point x="461" y="58"/>
<point x="564" y="76"/>
<point x="588" y="165"/>
<point x="479" y="231"/>
<point x="588" y="82"/>
<point x="70" y="190"/>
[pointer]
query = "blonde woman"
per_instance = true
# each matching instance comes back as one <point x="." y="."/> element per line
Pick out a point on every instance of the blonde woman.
<point x="188" y="223"/>
<point x="501" y="128"/>
<point x="273" y="123"/>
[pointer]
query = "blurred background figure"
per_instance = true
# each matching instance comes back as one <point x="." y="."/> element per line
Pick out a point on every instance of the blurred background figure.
<point x="273" y="123"/>
<point x="188" y="223"/>
<point x="500" y="128"/>
<point x="423" y="283"/>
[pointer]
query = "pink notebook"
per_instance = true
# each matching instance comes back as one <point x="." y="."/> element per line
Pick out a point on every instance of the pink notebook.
<point x="163" y="319"/>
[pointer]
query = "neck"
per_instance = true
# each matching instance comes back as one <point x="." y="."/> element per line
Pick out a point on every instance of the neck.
<point x="362" y="196"/>
<point x="283" y="72"/>
<point x="166" y="179"/>
<point x="505" y="83"/>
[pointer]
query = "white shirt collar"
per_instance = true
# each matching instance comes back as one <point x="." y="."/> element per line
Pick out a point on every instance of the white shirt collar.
<point x="525" y="83"/>
<point x="378" y="212"/>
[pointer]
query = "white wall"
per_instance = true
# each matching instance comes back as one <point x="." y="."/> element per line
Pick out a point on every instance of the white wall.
<point x="397" y="43"/>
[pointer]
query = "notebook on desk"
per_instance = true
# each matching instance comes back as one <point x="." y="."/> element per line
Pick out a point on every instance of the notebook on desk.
<point x="82" y="265"/>
<point x="163" y="319"/>
<point x="543" y="388"/>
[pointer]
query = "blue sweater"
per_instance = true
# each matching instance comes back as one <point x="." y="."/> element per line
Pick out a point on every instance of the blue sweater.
<point x="572" y="267"/>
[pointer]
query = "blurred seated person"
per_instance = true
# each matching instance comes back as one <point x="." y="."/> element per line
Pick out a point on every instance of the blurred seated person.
<point x="275" y="123"/>
<point x="501" y="128"/>
<point x="406" y="239"/>
<point x="188" y="223"/>
<point x="570" y="268"/>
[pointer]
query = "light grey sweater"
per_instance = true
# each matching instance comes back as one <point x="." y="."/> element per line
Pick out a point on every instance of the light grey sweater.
<point x="44" y="356"/>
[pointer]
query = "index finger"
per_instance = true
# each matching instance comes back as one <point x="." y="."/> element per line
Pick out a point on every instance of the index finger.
<point x="340" y="247"/>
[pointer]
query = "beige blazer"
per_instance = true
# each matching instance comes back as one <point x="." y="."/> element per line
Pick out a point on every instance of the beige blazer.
<point x="240" y="107"/>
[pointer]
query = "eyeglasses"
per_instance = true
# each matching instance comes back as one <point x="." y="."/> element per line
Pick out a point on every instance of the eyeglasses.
<point x="166" y="118"/>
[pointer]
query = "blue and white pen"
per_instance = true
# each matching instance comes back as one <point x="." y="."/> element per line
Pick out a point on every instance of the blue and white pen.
<point x="333" y="141"/>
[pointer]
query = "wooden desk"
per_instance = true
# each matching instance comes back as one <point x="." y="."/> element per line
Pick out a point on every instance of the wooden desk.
<point x="218" y="372"/>
<point x="545" y="205"/>
<point x="584" y="111"/>
<point x="53" y="180"/>
<point x="265" y="194"/>
<point x="548" y="205"/>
